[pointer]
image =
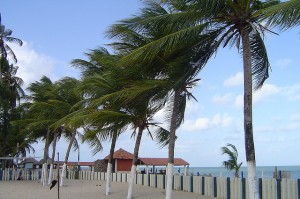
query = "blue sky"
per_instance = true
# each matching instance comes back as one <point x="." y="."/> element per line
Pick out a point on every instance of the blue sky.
<point x="55" y="32"/>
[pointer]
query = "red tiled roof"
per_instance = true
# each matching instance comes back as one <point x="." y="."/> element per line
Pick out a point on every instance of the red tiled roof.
<point x="162" y="161"/>
<point x="121" y="154"/>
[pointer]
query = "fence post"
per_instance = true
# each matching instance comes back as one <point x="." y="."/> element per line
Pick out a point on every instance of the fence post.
<point x="203" y="185"/>
<point x="155" y="180"/>
<point x="298" y="185"/>
<point x="260" y="187"/>
<point x="215" y="186"/>
<point x="181" y="183"/>
<point x="192" y="184"/>
<point x="278" y="188"/>
<point x="228" y="187"/>
<point x="164" y="182"/>
<point x="243" y="188"/>
<point x="173" y="182"/>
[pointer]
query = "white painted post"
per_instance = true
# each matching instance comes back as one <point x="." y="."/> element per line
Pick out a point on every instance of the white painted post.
<point x="169" y="181"/>
<point x="131" y="182"/>
<point x="147" y="169"/>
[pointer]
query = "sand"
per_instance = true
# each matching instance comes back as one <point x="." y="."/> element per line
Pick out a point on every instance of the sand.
<point x="78" y="189"/>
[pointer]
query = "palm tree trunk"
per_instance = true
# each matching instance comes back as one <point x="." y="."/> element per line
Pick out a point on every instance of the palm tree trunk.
<point x="172" y="145"/>
<point x="46" y="155"/>
<point x="63" y="172"/>
<point x="109" y="164"/>
<point x="248" y="127"/>
<point x="134" y="163"/>
<point x="53" y="156"/>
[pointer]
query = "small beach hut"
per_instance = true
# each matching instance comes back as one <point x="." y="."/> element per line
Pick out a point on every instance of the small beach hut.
<point x="122" y="160"/>
<point x="30" y="163"/>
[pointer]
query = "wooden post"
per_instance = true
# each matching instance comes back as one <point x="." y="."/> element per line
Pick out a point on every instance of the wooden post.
<point x="58" y="175"/>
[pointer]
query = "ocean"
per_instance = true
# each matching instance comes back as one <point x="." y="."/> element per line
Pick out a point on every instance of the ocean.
<point x="261" y="171"/>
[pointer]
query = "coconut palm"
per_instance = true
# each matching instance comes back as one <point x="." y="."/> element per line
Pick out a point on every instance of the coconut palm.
<point x="226" y="22"/>
<point x="5" y="36"/>
<point x="36" y="122"/>
<point x="175" y="67"/>
<point x="100" y="122"/>
<point x="232" y="163"/>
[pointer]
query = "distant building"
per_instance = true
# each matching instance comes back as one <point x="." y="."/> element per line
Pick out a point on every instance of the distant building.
<point x="122" y="161"/>
<point x="30" y="163"/>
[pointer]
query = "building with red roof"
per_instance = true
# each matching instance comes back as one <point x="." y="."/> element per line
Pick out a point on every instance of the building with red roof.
<point x="122" y="161"/>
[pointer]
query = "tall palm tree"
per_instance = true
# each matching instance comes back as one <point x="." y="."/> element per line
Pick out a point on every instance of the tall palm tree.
<point x="224" y="22"/>
<point x="5" y="36"/>
<point x="232" y="163"/>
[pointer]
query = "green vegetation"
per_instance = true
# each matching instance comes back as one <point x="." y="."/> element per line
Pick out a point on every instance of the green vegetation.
<point x="232" y="163"/>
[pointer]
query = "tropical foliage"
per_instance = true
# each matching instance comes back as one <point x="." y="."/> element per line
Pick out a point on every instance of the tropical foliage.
<point x="232" y="163"/>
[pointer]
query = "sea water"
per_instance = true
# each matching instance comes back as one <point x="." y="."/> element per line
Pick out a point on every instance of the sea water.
<point x="261" y="171"/>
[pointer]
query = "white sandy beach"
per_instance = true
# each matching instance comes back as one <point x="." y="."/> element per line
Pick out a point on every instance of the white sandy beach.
<point x="77" y="189"/>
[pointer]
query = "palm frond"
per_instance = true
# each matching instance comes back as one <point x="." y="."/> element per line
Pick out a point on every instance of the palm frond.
<point x="284" y="15"/>
<point x="259" y="61"/>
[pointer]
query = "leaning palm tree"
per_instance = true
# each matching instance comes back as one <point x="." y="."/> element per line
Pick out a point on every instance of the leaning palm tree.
<point x="232" y="163"/>
<point x="223" y="22"/>
<point x="37" y="120"/>
<point x="179" y="67"/>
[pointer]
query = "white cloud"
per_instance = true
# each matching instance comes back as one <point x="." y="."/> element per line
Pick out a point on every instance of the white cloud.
<point x="235" y="80"/>
<point x="221" y="100"/>
<point x="264" y="129"/>
<point x="205" y="123"/>
<point x="266" y="91"/>
<point x="32" y="65"/>
<point x="292" y="92"/>
<point x="295" y="118"/>
<point x="239" y="101"/>
<point x="283" y="63"/>
<point x="293" y="126"/>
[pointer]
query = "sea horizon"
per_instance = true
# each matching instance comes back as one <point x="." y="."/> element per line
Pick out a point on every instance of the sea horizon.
<point x="261" y="171"/>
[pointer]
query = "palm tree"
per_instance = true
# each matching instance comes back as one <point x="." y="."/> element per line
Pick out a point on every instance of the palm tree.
<point x="37" y="120"/>
<point x="176" y="66"/>
<point x="5" y="36"/>
<point x="232" y="163"/>
<point x="101" y="123"/>
<point x="226" y="22"/>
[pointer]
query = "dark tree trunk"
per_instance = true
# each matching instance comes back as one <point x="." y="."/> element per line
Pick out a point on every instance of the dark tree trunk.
<point x="248" y="127"/>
